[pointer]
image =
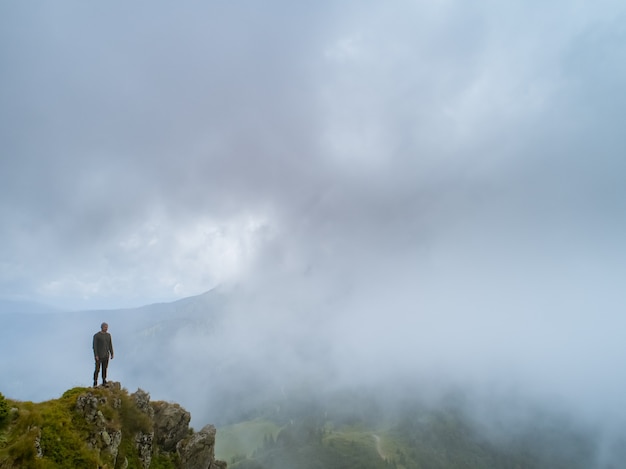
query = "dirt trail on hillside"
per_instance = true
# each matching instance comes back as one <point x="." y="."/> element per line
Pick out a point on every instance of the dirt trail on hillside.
<point x="382" y="455"/>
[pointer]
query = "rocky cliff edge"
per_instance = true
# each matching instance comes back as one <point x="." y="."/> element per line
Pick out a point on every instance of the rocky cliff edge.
<point x="104" y="427"/>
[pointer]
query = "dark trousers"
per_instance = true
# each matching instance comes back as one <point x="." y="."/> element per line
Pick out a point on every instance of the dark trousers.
<point x="104" y="364"/>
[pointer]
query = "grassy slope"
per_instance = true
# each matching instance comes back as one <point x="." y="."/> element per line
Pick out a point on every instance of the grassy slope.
<point x="417" y="439"/>
<point x="63" y="433"/>
<point x="60" y="435"/>
<point x="243" y="439"/>
<point x="261" y="440"/>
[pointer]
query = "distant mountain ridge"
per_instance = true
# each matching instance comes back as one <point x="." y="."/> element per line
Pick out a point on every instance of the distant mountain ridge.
<point x="66" y="336"/>
<point x="25" y="307"/>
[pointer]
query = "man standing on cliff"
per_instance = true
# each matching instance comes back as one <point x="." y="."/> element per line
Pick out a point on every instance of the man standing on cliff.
<point x="102" y="349"/>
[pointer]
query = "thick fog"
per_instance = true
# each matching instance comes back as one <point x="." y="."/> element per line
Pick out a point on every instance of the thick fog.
<point x="407" y="192"/>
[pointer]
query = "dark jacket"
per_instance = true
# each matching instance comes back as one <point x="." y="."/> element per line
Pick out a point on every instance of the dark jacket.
<point x="102" y="345"/>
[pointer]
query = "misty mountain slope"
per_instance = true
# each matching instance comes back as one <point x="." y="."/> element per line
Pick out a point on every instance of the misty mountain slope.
<point x="232" y="356"/>
<point x="413" y="436"/>
<point x="208" y="351"/>
<point x="303" y="445"/>
<point x="24" y="307"/>
<point x="138" y="334"/>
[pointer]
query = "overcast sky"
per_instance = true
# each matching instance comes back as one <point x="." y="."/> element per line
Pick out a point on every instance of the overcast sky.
<point x="152" y="151"/>
<point x="451" y="170"/>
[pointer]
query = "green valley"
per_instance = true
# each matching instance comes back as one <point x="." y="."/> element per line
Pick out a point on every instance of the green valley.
<point x="312" y="436"/>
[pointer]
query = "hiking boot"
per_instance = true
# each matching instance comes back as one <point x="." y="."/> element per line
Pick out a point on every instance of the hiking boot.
<point x="95" y="384"/>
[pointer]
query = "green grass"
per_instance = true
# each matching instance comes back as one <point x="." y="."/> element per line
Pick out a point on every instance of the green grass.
<point x="243" y="439"/>
<point x="51" y="424"/>
<point x="62" y="433"/>
<point x="416" y="438"/>
<point x="262" y="444"/>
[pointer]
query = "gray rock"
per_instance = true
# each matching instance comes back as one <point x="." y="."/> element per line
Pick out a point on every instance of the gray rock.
<point x="99" y="419"/>
<point x="113" y="385"/>
<point x="197" y="451"/>
<point x="39" y="451"/>
<point x="217" y="464"/>
<point x="143" y="442"/>
<point x="170" y="432"/>
<point x="171" y="424"/>
<point x="142" y="401"/>
<point x="112" y="450"/>
<point x="87" y="404"/>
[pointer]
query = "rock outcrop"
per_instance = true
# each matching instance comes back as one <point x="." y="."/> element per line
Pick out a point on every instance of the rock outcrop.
<point x="197" y="451"/>
<point x="171" y="424"/>
<point x="108" y="428"/>
<point x="104" y="437"/>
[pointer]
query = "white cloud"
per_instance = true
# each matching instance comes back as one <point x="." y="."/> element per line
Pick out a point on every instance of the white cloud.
<point x="160" y="260"/>
<point x="346" y="49"/>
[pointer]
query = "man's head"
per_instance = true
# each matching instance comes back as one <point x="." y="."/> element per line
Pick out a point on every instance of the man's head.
<point x="104" y="326"/>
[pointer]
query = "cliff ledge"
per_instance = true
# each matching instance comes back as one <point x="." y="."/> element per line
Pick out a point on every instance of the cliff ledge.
<point x="104" y="427"/>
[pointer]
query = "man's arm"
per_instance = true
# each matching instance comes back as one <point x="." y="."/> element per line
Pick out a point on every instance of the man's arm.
<point x="95" y="351"/>
<point x="111" y="346"/>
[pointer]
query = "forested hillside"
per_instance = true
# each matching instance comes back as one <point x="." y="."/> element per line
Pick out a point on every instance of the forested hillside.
<point x="357" y="433"/>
